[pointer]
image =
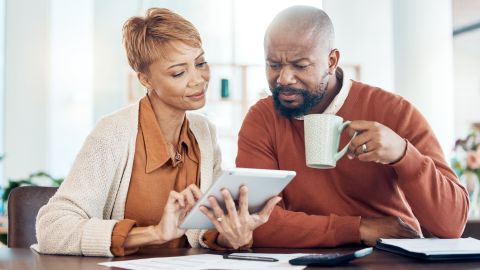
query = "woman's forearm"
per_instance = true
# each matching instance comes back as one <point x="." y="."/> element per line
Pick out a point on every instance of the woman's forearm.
<point x="143" y="236"/>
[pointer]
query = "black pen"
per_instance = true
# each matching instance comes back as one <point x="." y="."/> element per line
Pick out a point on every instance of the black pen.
<point x="249" y="258"/>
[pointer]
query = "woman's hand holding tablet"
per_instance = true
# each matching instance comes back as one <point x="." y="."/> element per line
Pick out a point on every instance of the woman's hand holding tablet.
<point x="236" y="226"/>
<point x="256" y="192"/>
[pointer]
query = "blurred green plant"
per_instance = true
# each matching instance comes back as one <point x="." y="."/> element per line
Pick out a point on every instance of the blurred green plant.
<point x="35" y="179"/>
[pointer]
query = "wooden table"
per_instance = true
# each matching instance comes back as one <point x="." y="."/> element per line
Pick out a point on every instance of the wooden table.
<point x="22" y="258"/>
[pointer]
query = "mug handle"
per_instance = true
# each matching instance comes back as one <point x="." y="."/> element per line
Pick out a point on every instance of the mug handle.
<point x="345" y="148"/>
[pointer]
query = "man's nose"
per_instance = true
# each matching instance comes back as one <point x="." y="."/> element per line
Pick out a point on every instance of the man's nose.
<point x="286" y="77"/>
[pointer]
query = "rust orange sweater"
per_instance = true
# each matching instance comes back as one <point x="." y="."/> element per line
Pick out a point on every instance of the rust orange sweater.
<point x="322" y="208"/>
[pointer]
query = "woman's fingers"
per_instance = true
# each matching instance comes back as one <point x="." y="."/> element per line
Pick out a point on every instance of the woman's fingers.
<point x="187" y="193"/>
<point x="176" y="197"/>
<point x="195" y="191"/>
<point x="215" y="207"/>
<point x="191" y="195"/>
<point x="264" y="214"/>
<point x="230" y="205"/>
<point x="212" y="218"/>
<point x="236" y="227"/>
<point x="243" y="201"/>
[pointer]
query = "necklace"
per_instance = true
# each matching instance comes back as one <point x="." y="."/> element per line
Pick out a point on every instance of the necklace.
<point x="176" y="153"/>
<point x="178" y="157"/>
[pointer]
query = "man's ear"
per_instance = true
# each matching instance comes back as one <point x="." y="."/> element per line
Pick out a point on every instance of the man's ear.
<point x="144" y="80"/>
<point x="333" y="58"/>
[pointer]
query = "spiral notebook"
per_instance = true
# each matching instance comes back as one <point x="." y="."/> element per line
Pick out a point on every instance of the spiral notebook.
<point x="433" y="249"/>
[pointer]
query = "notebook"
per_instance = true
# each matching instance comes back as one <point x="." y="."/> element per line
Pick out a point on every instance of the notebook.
<point x="433" y="249"/>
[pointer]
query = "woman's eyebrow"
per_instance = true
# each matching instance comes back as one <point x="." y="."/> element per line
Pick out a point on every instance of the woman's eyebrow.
<point x="184" y="64"/>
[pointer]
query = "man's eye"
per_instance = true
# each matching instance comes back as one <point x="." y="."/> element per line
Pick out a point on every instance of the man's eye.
<point x="301" y="66"/>
<point x="179" y="74"/>
<point x="273" y="66"/>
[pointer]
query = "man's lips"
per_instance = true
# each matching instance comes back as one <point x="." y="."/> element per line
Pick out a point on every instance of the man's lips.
<point x="288" y="96"/>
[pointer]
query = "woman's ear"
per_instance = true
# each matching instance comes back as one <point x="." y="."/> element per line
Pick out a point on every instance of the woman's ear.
<point x="144" y="80"/>
<point x="333" y="58"/>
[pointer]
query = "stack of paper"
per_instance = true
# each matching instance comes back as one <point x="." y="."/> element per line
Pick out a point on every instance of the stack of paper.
<point x="207" y="261"/>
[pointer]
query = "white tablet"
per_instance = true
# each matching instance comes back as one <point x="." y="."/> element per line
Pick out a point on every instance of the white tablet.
<point x="262" y="185"/>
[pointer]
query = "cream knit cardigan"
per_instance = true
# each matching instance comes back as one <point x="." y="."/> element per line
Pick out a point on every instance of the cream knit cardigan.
<point x="79" y="218"/>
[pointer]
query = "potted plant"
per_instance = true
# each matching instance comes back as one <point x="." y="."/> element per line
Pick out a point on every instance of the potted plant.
<point x="466" y="163"/>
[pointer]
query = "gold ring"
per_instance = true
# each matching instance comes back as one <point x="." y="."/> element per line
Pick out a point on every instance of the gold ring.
<point x="364" y="148"/>
<point x="219" y="219"/>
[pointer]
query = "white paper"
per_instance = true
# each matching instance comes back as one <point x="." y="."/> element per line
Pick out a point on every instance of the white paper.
<point x="435" y="246"/>
<point x="208" y="261"/>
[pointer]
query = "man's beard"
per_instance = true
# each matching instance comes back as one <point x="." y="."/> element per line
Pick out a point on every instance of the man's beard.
<point x="310" y="100"/>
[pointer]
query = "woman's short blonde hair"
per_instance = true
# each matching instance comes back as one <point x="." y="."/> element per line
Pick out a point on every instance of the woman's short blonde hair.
<point x="146" y="38"/>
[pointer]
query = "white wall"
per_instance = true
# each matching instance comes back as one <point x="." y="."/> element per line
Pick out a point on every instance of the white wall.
<point x="110" y="61"/>
<point x="71" y="81"/>
<point x="27" y="56"/>
<point x="49" y="105"/>
<point x="466" y="82"/>
<point x="364" y="36"/>
<point x="424" y="62"/>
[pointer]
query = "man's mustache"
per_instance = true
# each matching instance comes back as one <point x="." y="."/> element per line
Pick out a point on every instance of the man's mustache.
<point x="289" y="90"/>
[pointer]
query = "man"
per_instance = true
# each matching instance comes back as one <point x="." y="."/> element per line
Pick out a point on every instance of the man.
<point x="395" y="182"/>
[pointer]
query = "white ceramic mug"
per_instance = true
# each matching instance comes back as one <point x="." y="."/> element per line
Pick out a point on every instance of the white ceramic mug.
<point x="322" y="138"/>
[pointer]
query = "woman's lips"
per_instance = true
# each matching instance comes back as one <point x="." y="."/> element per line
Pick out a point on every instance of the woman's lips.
<point x="198" y="95"/>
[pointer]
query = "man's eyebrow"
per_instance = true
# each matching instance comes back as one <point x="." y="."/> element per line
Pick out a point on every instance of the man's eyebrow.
<point x="184" y="64"/>
<point x="299" y="60"/>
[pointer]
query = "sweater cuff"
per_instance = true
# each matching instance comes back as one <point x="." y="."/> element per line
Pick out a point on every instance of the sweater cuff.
<point x="411" y="164"/>
<point x="119" y="235"/>
<point x="347" y="229"/>
<point x="97" y="237"/>
<point x="210" y="239"/>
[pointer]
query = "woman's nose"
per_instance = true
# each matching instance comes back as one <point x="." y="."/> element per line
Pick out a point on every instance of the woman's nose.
<point x="197" y="78"/>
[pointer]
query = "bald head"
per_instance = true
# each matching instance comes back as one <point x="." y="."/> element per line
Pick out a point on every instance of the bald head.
<point x="301" y="61"/>
<point x="304" y="20"/>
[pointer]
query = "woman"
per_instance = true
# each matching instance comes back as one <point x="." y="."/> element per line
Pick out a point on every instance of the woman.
<point x="138" y="173"/>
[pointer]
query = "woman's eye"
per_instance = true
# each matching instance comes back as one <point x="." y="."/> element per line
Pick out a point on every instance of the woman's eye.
<point x="179" y="74"/>
<point x="201" y="65"/>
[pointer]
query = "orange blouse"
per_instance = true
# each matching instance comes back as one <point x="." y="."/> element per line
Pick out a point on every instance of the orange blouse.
<point x="157" y="169"/>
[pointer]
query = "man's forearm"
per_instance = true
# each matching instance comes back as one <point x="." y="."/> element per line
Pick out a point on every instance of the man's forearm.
<point x="290" y="229"/>
<point x="432" y="190"/>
